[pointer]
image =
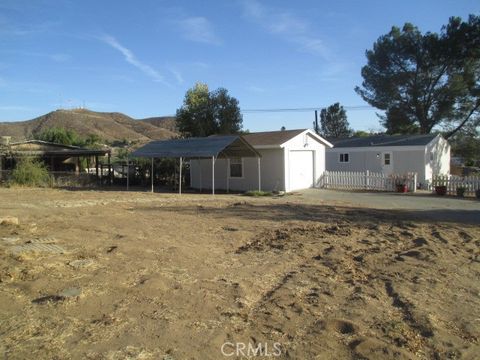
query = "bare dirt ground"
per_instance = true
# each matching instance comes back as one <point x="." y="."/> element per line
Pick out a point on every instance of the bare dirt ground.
<point x="116" y="275"/>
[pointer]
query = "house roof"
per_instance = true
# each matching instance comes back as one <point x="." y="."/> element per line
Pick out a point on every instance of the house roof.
<point x="219" y="146"/>
<point x="271" y="137"/>
<point x="383" y="140"/>
<point x="41" y="148"/>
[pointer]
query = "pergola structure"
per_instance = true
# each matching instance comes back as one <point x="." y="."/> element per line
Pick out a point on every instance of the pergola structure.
<point x="212" y="147"/>
<point x="54" y="155"/>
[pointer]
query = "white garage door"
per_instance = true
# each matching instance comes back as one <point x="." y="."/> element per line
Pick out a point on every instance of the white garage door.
<point x="301" y="170"/>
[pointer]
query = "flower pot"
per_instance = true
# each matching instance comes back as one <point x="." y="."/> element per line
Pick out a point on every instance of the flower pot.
<point x="461" y="191"/>
<point x="402" y="188"/>
<point x="441" y="190"/>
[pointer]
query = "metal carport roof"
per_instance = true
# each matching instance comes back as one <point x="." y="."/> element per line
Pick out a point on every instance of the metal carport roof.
<point x="223" y="146"/>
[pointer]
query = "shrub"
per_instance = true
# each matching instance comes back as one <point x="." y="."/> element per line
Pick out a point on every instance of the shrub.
<point x="30" y="172"/>
<point x="257" y="193"/>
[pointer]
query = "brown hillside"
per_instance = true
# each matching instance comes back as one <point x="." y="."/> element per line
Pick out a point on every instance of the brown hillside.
<point x="166" y="122"/>
<point x="108" y="126"/>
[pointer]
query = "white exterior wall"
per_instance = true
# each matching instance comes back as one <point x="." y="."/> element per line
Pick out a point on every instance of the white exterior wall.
<point x="437" y="158"/>
<point x="305" y="142"/>
<point x="275" y="167"/>
<point x="272" y="173"/>
<point x="404" y="159"/>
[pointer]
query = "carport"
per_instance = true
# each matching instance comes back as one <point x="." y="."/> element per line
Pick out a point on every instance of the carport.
<point x="212" y="147"/>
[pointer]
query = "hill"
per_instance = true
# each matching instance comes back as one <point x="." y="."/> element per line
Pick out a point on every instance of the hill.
<point x="165" y="122"/>
<point x="108" y="126"/>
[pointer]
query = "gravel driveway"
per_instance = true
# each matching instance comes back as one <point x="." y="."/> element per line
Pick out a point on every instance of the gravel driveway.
<point x="423" y="204"/>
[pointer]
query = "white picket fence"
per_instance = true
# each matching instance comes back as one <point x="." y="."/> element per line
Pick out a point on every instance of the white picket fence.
<point x="356" y="180"/>
<point x="452" y="182"/>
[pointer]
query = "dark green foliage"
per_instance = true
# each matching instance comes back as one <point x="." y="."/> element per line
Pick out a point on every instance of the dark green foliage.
<point x="206" y="113"/>
<point x="30" y="172"/>
<point x="425" y="80"/>
<point x="333" y="122"/>
<point x="466" y="144"/>
<point x="59" y="135"/>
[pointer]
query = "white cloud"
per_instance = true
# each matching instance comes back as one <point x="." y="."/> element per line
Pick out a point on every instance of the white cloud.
<point x="8" y="28"/>
<point x="287" y="26"/>
<point x="198" y="29"/>
<point x="177" y="74"/>
<point x="14" y="108"/>
<point x="256" y="89"/>
<point x="132" y="59"/>
<point x="59" y="57"/>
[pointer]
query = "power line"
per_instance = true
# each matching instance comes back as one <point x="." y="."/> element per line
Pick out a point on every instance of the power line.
<point x="350" y="108"/>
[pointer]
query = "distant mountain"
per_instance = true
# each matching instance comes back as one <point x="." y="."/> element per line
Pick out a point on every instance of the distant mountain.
<point x="108" y="126"/>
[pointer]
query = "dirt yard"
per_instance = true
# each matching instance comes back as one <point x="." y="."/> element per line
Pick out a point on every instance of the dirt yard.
<point x="116" y="275"/>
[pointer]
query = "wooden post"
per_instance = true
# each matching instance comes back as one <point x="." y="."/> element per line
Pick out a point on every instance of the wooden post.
<point x="199" y="161"/>
<point x="96" y="166"/>
<point x="109" y="170"/>
<point x="151" y="175"/>
<point x="180" y="178"/>
<point x="259" y="174"/>
<point x="128" y="174"/>
<point x="228" y="174"/>
<point x="213" y="175"/>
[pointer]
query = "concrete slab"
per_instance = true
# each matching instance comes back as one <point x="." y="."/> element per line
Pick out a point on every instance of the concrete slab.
<point x="44" y="248"/>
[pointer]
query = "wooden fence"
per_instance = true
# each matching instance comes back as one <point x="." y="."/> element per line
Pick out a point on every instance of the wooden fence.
<point x="367" y="180"/>
<point x="452" y="182"/>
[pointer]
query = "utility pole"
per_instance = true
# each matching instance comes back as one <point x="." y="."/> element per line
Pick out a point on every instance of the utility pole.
<point x="316" y="128"/>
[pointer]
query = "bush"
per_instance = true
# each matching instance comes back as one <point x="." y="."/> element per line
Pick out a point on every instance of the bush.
<point x="30" y="172"/>
<point x="257" y="193"/>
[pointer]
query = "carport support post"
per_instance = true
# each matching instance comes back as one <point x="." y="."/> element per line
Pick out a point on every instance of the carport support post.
<point x="259" y="175"/>
<point x="128" y="174"/>
<point x="180" y="177"/>
<point x="213" y="175"/>
<point x="228" y="174"/>
<point x="151" y="174"/>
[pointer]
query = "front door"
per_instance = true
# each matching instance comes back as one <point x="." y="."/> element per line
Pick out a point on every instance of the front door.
<point x="387" y="163"/>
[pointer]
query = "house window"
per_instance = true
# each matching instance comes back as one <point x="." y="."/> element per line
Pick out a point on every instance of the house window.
<point x="387" y="159"/>
<point x="236" y="167"/>
<point x="344" y="158"/>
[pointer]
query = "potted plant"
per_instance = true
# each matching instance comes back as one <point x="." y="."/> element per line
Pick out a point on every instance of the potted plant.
<point x="401" y="187"/>
<point x="461" y="191"/>
<point x="441" y="190"/>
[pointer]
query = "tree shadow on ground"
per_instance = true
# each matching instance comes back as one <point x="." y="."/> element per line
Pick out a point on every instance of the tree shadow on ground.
<point x="323" y="213"/>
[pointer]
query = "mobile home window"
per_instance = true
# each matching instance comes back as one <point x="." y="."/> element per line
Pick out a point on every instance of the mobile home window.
<point x="236" y="167"/>
<point x="386" y="159"/>
<point x="344" y="158"/>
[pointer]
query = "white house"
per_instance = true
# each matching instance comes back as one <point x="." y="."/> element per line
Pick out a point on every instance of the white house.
<point x="427" y="155"/>
<point x="290" y="160"/>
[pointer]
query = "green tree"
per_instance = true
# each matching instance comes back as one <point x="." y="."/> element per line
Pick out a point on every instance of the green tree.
<point x="58" y="135"/>
<point x="205" y="113"/>
<point x="334" y="122"/>
<point x="466" y="143"/>
<point x="30" y="172"/>
<point x="424" y="80"/>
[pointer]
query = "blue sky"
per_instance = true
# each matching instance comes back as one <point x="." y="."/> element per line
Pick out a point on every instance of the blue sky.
<point x="139" y="57"/>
